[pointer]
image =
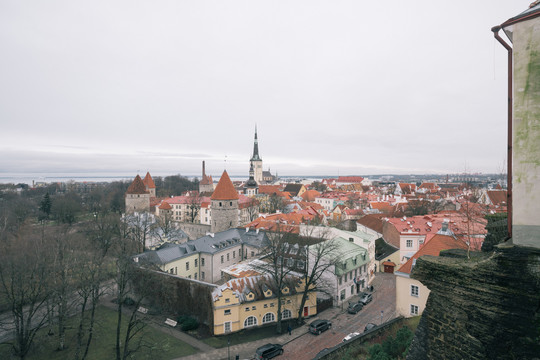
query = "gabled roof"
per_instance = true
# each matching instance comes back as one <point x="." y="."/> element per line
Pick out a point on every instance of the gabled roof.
<point x="433" y="247"/>
<point x="206" y="180"/>
<point x="165" y="206"/>
<point x="310" y="195"/>
<point x="350" y="179"/>
<point x="293" y="189"/>
<point x="137" y="187"/>
<point x="225" y="189"/>
<point x="497" y="197"/>
<point x="148" y="181"/>
<point x="372" y="222"/>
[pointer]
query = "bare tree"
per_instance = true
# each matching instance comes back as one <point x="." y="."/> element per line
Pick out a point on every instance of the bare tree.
<point x="62" y="263"/>
<point x="252" y="209"/>
<point x="472" y="215"/>
<point x="141" y="226"/>
<point x="321" y="256"/>
<point x="193" y="206"/>
<point x="90" y="276"/>
<point x="24" y="276"/>
<point x="125" y="271"/>
<point x="274" y="265"/>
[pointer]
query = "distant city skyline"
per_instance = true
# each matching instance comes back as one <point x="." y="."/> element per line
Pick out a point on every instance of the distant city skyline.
<point x="334" y="88"/>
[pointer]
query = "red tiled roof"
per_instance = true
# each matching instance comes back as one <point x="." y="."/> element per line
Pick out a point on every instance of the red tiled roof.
<point x="137" y="187"/>
<point x="206" y="180"/>
<point x="225" y="189"/>
<point x="423" y="225"/>
<point x="310" y="195"/>
<point x="497" y="197"/>
<point x="148" y="181"/>
<point x="269" y="189"/>
<point x="372" y="222"/>
<point x="433" y="247"/>
<point x="165" y="206"/>
<point x="350" y="179"/>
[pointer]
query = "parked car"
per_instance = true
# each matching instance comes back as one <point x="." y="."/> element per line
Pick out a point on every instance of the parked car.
<point x="369" y="327"/>
<point x="318" y="326"/>
<point x="366" y="298"/>
<point x="350" y="336"/>
<point x="268" y="351"/>
<point x="354" y="307"/>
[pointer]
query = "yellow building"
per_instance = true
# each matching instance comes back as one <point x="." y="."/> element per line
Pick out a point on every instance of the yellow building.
<point x="251" y="301"/>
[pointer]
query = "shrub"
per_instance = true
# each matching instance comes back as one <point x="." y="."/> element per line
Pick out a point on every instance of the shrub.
<point x="190" y="324"/>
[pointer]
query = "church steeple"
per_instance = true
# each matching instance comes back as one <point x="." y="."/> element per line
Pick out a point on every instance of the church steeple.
<point x="256" y="156"/>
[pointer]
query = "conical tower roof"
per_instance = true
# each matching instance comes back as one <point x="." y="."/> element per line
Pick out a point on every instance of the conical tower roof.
<point x="137" y="186"/>
<point x="256" y="156"/>
<point x="225" y="189"/>
<point x="148" y="181"/>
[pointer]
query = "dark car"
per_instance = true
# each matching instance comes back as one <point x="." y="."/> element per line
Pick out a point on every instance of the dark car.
<point x="268" y="351"/>
<point x="369" y="327"/>
<point x="366" y="298"/>
<point x="318" y="326"/>
<point x="354" y="308"/>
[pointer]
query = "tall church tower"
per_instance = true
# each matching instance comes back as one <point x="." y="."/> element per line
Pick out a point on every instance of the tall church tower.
<point x="224" y="202"/>
<point x="256" y="161"/>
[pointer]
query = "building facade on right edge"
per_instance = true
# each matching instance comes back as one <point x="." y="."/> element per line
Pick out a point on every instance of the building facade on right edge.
<point x="523" y="31"/>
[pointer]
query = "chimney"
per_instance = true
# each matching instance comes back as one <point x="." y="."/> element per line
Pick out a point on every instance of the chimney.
<point x="203" y="170"/>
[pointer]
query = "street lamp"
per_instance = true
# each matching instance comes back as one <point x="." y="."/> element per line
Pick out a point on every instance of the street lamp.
<point x="382" y="313"/>
<point x="228" y="348"/>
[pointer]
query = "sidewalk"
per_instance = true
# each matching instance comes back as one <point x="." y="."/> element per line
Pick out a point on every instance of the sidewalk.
<point x="247" y="350"/>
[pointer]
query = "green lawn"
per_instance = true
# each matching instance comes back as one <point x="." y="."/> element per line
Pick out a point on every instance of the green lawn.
<point x="156" y="344"/>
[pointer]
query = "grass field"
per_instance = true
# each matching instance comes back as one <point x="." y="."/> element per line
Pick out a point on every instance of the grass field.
<point x="156" y="344"/>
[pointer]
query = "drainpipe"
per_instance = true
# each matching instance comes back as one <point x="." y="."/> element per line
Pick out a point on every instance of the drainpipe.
<point x="496" y="30"/>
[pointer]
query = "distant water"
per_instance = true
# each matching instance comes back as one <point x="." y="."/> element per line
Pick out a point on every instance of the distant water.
<point x="53" y="178"/>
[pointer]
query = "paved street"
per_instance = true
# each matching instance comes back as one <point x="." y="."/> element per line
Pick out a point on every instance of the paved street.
<point x="343" y="323"/>
<point x="302" y="345"/>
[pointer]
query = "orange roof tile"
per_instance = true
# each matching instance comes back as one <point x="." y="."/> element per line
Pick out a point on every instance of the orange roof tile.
<point x="137" y="187"/>
<point x="433" y="247"/>
<point x="310" y="195"/>
<point x="165" y="206"/>
<point x="148" y="181"/>
<point x="225" y="189"/>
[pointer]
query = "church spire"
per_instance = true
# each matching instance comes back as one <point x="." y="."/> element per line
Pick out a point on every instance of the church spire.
<point x="256" y="147"/>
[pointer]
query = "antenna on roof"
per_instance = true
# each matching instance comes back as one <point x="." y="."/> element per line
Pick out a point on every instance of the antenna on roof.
<point x="225" y="163"/>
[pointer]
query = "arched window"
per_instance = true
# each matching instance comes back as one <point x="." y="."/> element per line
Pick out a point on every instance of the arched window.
<point x="269" y="317"/>
<point x="286" y="314"/>
<point x="250" y="321"/>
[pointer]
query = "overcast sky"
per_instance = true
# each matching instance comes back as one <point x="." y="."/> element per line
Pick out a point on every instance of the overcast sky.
<point x="334" y="87"/>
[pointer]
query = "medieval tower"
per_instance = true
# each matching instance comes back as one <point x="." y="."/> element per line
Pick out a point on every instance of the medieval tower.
<point x="137" y="196"/>
<point x="206" y="185"/>
<point x="251" y="188"/>
<point x="224" y="203"/>
<point x="256" y="161"/>
<point x="149" y="184"/>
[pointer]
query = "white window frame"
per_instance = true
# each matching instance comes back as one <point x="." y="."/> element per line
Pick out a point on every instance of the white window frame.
<point x="414" y="309"/>
<point x="227" y="327"/>
<point x="250" y="321"/>
<point x="286" y="314"/>
<point x="409" y="241"/>
<point x="415" y="291"/>
<point x="268" y="318"/>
